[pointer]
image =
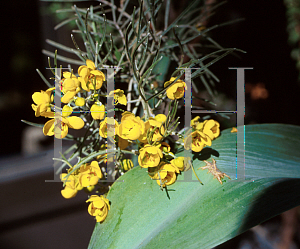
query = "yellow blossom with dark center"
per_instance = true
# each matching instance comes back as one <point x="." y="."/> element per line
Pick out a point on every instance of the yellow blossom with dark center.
<point x="196" y="141"/>
<point x="131" y="127"/>
<point x="211" y="128"/>
<point x="149" y="156"/>
<point x="119" y="97"/>
<point x="166" y="174"/>
<point x="176" y="91"/>
<point x="90" y="78"/>
<point x="89" y="174"/>
<point x="99" y="206"/>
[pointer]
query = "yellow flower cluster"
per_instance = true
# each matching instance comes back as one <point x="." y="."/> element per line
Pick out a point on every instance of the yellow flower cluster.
<point x="89" y="79"/>
<point x="150" y="157"/>
<point x="86" y="176"/>
<point x="164" y="173"/>
<point x="202" y="135"/>
<point x="83" y="92"/>
<point x="175" y="91"/>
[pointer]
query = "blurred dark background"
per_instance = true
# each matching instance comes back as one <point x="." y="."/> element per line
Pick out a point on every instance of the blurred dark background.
<point x="272" y="96"/>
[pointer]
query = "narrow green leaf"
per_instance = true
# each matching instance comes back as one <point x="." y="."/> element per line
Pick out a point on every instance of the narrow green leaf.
<point x="62" y="58"/>
<point x="179" y="17"/>
<point x="32" y="124"/>
<point x="44" y="79"/>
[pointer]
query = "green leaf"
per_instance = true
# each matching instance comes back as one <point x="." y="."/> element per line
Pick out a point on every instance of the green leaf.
<point x="203" y="216"/>
<point x="32" y="124"/>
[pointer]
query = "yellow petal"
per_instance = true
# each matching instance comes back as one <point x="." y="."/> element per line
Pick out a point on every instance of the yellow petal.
<point x="75" y="122"/>
<point x="68" y="192"/>
<point x="161" y="118"/>
<point x="122" y="100"/>
<point x="95" y="168"/>
<point x="63" y="132"/>
<point x="48" y="128"/>
<point x="40" y="98"/>
<point x="49" y="114"/>
<point x="90" y="64"/>
<point x="68" y="75"/>
<point x="68" y="97"/>
<point x="83" y="71"/>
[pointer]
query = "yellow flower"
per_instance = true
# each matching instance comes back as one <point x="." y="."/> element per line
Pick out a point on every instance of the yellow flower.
<point x="149" y="156"/>
<point x="161" y="118"/>
<point x="176" y="91"/>
<point x="197" y="141"/>
<point x="72" y="185"/>
<point x="98" y="111"/>
<point x="65" y="123"/>
<point x="98" y="207"/>
<point x="131" y="127"/>
<point x="211" y="128"/>
<point x="127" y="164"/>
<point x="42" y="101"/>
<point x="166" y="174"/>
<point x="67" y="111"/>
<point x="70" y="87"/>
<point x="70" y="82"/>
<point x="89" y="174"/>
<point x="90" y="78"/>
<point x="119" y="97"/>
<point x="79" y="101"/>
<point x="112" y="129"/>
<point x="178" y="162"/>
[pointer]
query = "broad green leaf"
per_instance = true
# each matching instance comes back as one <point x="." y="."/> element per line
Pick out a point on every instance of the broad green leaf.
<point x="203" y="216"/>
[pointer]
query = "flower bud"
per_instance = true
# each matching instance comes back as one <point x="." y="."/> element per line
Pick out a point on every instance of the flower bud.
<point x="79" y="101"/>
<point x="67" y="111"/>
<point x="127" y="164"/>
